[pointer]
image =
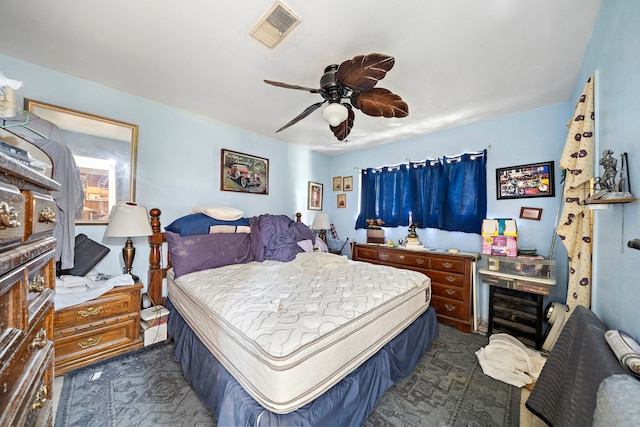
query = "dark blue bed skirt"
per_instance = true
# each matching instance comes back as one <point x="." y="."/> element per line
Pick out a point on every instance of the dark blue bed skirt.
<point x="348" y="403"/>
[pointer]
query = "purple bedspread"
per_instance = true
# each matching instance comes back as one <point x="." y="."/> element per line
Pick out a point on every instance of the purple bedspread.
<point x="276" y="237"/>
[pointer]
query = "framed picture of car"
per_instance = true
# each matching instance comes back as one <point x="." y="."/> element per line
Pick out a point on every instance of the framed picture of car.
<point x="314" y="202"/>
<point x="243" y="173"/>
<point x="532" y="180"/>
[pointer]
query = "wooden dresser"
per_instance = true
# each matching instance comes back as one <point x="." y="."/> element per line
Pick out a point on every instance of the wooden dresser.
<point x="452" y="277"/>
<point x="98" y="329"/>
<point x="27" y="281"/>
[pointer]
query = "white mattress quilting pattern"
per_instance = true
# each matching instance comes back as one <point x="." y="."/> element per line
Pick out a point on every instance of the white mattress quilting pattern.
<point x="288" y="331"/>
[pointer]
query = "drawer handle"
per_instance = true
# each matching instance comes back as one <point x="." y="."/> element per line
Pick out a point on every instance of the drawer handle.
<point x="37" y="284"/>
<point x="8" y="216"/>
<point x="47" y="215"/>
<point x="90" y="311"/>
<point x="420" y="261"/>
<point x="401" y="257"/>
<point x="447" y="264"/>
<point x="383" y="256"/>
<point x="366" y="253"/>
<point x="450" y="292"/>
<point x="90" y="342"/>
<point x="450" y="307"/>
<point x="450" y="279"/>
<point x="41" y="397"/>
<point x="40" y="340"/>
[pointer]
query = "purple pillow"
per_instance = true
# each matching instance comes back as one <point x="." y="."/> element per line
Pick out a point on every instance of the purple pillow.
<point x="203" y="251"/>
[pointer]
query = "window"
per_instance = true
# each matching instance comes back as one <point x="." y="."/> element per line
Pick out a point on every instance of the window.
<point x="449" y="193"/>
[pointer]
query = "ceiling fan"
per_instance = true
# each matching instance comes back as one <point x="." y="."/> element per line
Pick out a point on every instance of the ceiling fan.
<point x="353" y="79"/>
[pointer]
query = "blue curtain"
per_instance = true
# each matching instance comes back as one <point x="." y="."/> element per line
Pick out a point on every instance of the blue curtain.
<point x="448" y="193"/>
<point x="463" y="193"/>
<point x="385" y="195"/>
<point x="425" y="186"/>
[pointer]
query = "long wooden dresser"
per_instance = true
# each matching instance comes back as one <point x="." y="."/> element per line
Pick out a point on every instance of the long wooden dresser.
<point x="451" y="276"/>
<point x="27" y="281"/>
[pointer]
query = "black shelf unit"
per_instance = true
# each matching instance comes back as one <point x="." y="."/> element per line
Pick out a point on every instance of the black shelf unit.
<point x="516" y="313"/>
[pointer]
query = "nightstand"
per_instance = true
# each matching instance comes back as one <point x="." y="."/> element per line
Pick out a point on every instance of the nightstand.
<point x="98" y="329"/>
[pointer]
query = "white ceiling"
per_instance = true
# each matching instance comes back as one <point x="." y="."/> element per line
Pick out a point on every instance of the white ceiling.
<point x="457" y="61"/>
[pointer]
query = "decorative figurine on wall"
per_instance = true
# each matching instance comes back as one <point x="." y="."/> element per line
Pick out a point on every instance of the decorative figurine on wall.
<point x="605" y="186"/>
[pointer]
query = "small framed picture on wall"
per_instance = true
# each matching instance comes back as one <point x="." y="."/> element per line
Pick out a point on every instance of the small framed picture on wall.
<point x="315" y="196"/>
<point x="347" y="183"/>
<point x="342" y="200"/>
<point x="337" y="183"/>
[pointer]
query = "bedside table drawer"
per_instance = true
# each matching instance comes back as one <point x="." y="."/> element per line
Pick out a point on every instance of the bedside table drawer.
<point x="97" y="342"/>
<point x="114" y="303"/>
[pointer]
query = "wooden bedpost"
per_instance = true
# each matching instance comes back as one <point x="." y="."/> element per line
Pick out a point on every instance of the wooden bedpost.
<point x="298" y="216"/>
<point x="155" y="271"/>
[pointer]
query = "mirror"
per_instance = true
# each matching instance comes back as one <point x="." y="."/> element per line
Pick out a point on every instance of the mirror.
<point x="105" y="151"/>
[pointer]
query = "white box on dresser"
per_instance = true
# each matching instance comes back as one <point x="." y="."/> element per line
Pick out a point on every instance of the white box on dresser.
<point x="27" y="280"/>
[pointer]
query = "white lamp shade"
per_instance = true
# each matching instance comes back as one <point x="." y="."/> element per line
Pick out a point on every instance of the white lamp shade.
<point x="128" y="220"/>
<point x="321" y="222"/>
<point x="335" y="113"/>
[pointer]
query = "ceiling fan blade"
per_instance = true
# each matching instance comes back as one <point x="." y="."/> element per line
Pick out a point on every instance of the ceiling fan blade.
<point x="363" y="71"/>
<point x="288" y="86"/>
<point x="343" y="129"/>
<point x="380" y="102"/>
<point x="310" y="109"/>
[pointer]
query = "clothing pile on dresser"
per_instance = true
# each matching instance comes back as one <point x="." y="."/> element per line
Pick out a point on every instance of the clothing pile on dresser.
<point x="71" y="290"/>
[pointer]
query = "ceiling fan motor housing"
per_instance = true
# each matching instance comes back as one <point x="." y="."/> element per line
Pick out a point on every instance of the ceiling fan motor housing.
<point x="332" y="89"/>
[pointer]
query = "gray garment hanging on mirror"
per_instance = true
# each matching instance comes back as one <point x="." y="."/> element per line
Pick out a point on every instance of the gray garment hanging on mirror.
<point x="70" y="199"/>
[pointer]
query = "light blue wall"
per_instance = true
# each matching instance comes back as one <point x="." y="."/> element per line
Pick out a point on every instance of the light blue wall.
<point x="169" y="136"/>
<point x="178" y="155"/>
<point x="531" y="137"/>
<point x="613" y="52"/>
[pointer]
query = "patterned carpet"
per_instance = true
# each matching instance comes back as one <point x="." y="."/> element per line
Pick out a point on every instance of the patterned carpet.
<point x="146" y="388"/>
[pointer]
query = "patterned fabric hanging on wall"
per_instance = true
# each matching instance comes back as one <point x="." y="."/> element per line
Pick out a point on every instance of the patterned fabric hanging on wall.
<point x="575" y="222"/>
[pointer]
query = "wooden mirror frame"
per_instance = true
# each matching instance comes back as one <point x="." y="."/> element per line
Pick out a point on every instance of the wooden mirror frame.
<point x="99" y="159"/>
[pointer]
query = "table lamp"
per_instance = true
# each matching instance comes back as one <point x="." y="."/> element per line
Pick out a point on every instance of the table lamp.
<point x="322" y="224"/>
<point x="128" y="220"/>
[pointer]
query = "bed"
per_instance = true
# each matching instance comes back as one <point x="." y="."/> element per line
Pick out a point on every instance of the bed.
<point x="271" y="332"/>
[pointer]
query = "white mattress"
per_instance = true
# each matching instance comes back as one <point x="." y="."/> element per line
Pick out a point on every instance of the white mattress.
<point x="289" y="331"/>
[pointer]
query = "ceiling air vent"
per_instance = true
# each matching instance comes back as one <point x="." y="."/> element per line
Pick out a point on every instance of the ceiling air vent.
<point x="275" y="25"/>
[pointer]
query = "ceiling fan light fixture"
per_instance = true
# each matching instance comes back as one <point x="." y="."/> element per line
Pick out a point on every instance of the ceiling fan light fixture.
<point x="335" y="113"/>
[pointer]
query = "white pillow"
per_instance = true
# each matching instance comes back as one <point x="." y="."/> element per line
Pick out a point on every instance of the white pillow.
<point x="220" y="212"/>
<point x="229" y="229"/>
<point x="306" y="245"/>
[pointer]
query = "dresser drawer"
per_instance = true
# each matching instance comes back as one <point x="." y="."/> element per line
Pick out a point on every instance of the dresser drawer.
<point x="40" y="215"/>
<point x="447" y="278"/>
<point x="404" y="258"/>
<point x="368" y="253"/>
<point x="31" y="358"/>
<point x="448" y="264"/>
<point x="13" y="313"/>
<point x="118" y="301"/>
<point x="450" y="307"/>
<point x="11" y="216"/>
<point x="454" y="292"/>
<point x="33" y="385"/>
<point x="96" y="342"/>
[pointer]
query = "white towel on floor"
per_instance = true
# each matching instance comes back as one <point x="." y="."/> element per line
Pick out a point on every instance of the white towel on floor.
<point x="508" y="360"/>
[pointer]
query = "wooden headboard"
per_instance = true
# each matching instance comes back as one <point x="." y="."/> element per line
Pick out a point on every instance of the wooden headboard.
<point x="157" y="273"/>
